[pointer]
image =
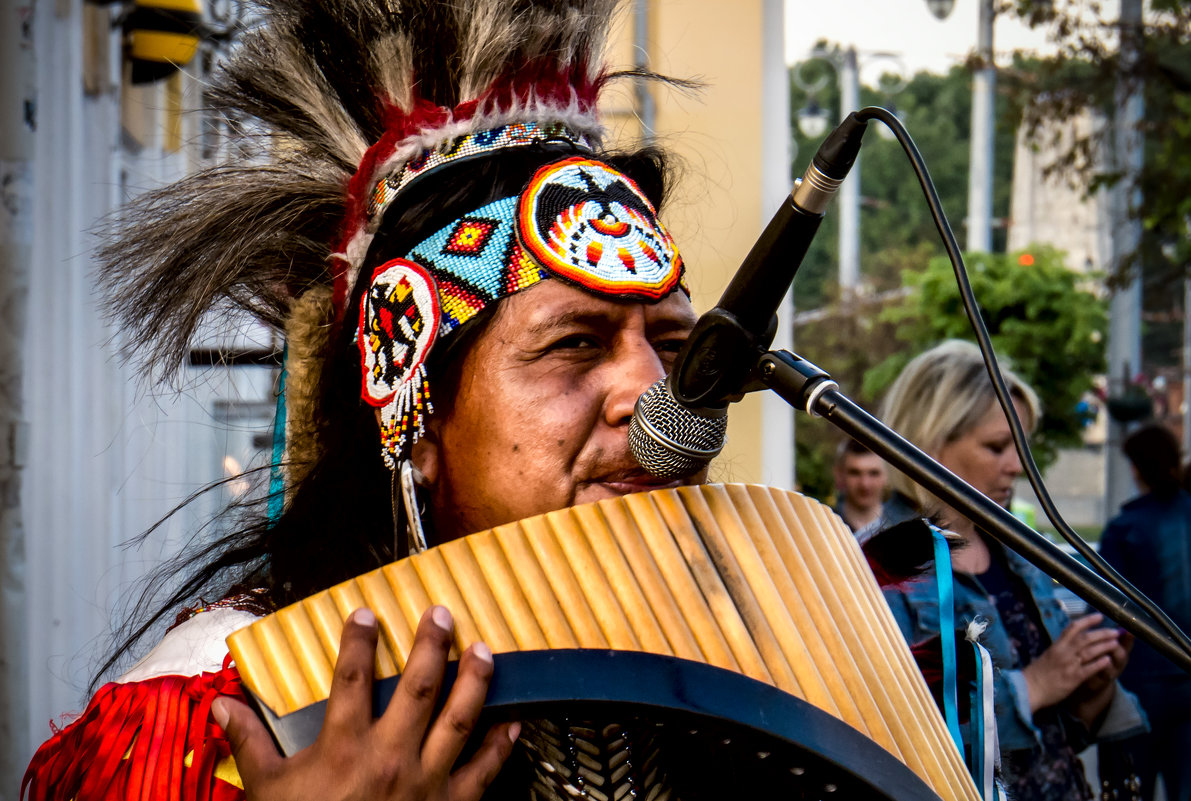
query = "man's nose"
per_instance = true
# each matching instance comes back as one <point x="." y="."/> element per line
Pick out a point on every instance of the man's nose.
<point x="636" y="368"/>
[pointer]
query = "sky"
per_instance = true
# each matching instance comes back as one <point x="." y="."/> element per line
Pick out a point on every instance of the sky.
<point x="904" y="27"/>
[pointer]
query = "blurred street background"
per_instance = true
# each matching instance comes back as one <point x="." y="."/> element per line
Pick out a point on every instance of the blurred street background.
<point x="1058" y="133"/>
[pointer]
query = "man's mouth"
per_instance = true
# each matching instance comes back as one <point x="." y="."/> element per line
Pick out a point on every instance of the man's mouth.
<point x="635" y="479"/>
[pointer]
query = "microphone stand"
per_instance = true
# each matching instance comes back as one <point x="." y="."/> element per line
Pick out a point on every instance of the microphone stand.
<point x="810" y="389"/>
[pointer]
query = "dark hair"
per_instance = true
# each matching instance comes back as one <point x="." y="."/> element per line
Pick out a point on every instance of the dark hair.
<point x="339" y="521"/>
<point x="850" y="447"/>
<point x="1154" y="453"/>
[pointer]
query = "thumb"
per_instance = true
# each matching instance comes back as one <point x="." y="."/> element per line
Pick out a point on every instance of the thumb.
<point x="253" y="749"/>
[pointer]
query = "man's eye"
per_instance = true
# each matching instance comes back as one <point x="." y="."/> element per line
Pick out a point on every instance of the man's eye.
<point x="575" y="342"/>
<point x="669" y="345"/>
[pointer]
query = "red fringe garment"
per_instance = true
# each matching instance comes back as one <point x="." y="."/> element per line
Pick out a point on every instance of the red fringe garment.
<point x="151" y="740"/>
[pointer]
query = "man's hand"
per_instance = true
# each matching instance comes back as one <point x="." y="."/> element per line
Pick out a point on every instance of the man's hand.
<point x="405" y="755"/>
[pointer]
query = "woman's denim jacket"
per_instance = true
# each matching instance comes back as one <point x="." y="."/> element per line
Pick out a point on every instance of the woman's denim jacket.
<point x="915" y="606"/>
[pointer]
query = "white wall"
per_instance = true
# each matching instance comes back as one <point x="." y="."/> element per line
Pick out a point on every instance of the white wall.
<point x="107" y="457"/>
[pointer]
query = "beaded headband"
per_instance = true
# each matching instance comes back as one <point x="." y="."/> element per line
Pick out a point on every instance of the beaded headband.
<point x="464" y="148"/>
<point x="390" y="169"/>
<point x="578" y="219"/>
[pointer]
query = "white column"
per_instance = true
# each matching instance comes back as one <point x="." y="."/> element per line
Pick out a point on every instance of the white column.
<point x="849" y="192"/>
<point x="646" y="108"/>
<point x="777" y="417"/>
<point x="980" y="172"/>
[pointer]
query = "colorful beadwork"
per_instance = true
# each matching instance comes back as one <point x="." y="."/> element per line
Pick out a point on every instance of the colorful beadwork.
<point x="590" y="224"/>
<point x="578" y="219"/>
<point x="476" y="144"/>
<point x="399" y="321"/>
<point x="475" y="260"/>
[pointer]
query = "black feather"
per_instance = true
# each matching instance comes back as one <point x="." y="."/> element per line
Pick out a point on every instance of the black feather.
<point x="901" y="552"/>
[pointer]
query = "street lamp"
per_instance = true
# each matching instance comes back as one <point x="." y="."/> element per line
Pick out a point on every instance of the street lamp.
<point x="940" y="8"/>
<point x="813" y="119"/>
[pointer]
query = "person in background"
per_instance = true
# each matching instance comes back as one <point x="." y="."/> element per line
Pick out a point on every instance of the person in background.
<point x="1055" y="688"/>
<point x="1149" y="543"/>
<point x="860" y="480"/>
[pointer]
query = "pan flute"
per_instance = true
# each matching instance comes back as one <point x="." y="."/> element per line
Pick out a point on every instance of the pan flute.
<point x="761" y="582"/>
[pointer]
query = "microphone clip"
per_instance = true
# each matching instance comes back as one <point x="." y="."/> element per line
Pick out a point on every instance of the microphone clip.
<point x="717" y="363"/>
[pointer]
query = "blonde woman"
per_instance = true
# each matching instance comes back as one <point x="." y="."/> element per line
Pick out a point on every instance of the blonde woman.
<point x="1055" y="689"/>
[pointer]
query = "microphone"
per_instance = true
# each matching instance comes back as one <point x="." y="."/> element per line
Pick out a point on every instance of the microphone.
<point x="679" y="424"/>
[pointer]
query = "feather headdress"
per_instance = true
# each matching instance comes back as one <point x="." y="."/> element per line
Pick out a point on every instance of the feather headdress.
<point x="341" y="91"/>
<point x="354" y="101"/>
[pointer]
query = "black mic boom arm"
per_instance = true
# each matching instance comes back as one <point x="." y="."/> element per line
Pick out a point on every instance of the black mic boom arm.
<point x="808" y="388"/>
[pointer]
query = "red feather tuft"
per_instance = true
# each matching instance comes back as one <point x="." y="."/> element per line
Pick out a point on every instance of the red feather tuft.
<point x="132" y="742"/>
<point x="540" y="82"/>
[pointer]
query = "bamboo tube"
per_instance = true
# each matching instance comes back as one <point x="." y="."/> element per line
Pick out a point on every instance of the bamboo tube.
<point x="723" y="608"/>
<point x="622" y="529"/>
<point x="830" y="656"/>
<point x="507" y="595"/>
<point x="597" y="591"/>
<point x="921" y="749"/>
<point x="348" y="598"/>
<point x="720" y="514"/>
<point x="308" y="652"/>
<point x="612" y="565"/>
<point x="477" y="595"/>
<point x="675" y="573"/>
<point x="531" y="581"/>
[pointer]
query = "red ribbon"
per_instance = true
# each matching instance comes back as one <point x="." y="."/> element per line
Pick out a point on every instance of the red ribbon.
<point x="156" y="722"/>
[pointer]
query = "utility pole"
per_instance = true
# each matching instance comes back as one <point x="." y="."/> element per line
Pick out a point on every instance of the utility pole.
<point x="980" y="170"/>
<point x="18" y="110"/>
<point x="1124" y="333"/>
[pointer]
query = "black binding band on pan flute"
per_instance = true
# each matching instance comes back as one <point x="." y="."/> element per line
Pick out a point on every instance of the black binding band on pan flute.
<point x="730" y="736"/>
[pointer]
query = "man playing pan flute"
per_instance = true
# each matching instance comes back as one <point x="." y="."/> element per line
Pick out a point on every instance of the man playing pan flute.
<point x="474" y="294"/>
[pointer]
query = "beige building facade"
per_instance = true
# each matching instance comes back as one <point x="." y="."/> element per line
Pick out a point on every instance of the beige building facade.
<point x="731" y="138"/>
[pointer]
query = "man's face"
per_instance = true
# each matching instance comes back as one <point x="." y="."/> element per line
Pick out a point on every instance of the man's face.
<point x="862" y="479"/>
<point x="541" y="416"/>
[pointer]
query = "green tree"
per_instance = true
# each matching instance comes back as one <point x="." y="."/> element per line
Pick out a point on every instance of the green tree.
<point x="1041" y="316"/>
<point x="847" y="340"/>
<point x="1083" y="75"/>
<point x="895" y="224"/>
<point x="1044" y="321"/>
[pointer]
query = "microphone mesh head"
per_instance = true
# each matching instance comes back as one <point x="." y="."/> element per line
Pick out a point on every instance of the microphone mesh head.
<point x="670" y="440"/>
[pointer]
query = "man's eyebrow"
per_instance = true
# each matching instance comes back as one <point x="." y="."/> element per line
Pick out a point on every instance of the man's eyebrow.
<point x="567" y="319"/>
<point x="599" y="319"/>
